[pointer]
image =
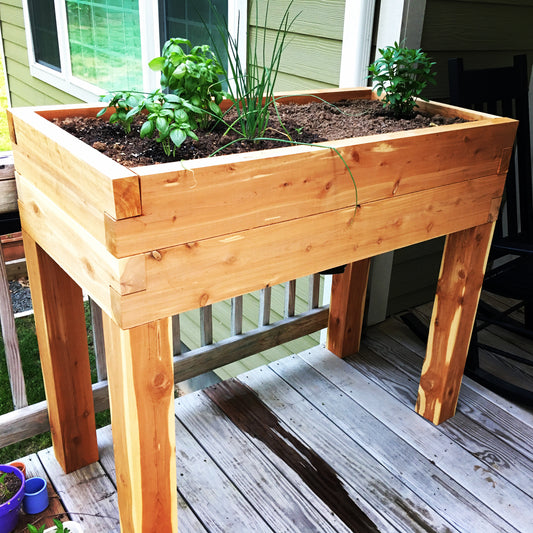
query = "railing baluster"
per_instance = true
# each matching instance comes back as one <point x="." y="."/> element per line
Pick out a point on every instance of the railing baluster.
<point x="236" y="315"/>
<point x="314" y="291"/>
<point x="265" y="298"/>
<point x="290" y="298"/>
<point x="9" y="334"/>
<point x="98" y="340"/>
<point x="206" y="325"/>
<point x="176" y="335"/>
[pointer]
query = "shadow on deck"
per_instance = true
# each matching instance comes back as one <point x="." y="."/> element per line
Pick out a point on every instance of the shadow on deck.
<point x="315" y="443"/>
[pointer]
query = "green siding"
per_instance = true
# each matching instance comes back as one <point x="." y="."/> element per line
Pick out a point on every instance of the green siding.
<point x="313" y="48"/>
<point x="23" y="87"/>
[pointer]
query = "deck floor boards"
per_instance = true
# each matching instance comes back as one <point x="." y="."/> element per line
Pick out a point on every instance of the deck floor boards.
<point x="315" y="443"/>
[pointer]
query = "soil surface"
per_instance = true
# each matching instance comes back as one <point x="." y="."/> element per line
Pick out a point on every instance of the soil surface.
<point x="12" y="483"/>
<point x="305" y="123"/>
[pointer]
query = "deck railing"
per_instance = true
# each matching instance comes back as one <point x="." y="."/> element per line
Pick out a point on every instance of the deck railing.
<point x="29" y="420"/>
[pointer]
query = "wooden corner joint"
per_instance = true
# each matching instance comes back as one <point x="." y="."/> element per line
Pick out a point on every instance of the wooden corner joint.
<point x="505" y="160"/>
<point x="132" y="274"/>
<point x="127" y="196"/>
<point x="11" y="125"/>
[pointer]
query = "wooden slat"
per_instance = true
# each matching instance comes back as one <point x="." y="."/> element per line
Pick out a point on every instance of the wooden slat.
<point x="456" y="299"/>
<point x="292" y="178"/>
<point x="265" y="298"/>
<point x="236" y="315"/>
<point x="479" y="479"/>
<point x="98" y="340"/>
<point x="10" y="340"/>
<point x="290" y="298"/>
<point x="346" y="310"/>
<point x="206" y="325"/>
<point x="141" y="389"/>
<point x="16" y="269"/>
<point x="314" y="291"/>
<point x="433" y="485"/>
<point x="87" y="493"/>
<point x="62" y="337"/>
<point x="278" y="502"/>
<point x="266" y="256"/>
<point x="176" y="335"/>
<point x="507" y="439"/>
<point x="232" y="349"/>
<point x="8" y="196"/>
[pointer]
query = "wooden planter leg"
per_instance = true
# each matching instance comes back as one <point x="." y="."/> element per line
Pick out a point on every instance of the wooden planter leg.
<point x="346" y="310"/>
<point x="141" y="390"/>
<point x="62" y="337"/>
<point x="454" y="311"/>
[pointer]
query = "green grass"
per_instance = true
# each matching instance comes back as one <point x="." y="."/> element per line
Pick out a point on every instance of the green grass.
<point x="5" y="142"/>
<point x="31" y="365"/>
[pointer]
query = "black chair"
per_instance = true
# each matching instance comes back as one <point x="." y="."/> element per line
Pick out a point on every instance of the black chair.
<point x="502" y="91"/>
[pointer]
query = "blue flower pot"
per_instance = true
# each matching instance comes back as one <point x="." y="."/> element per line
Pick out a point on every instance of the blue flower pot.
<point x="9" y="511"/>
<point x="35" y="495"/>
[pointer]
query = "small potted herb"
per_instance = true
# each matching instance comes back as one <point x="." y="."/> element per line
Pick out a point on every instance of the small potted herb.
<point x="11" y="493"/>
<point x="59" y="527"/>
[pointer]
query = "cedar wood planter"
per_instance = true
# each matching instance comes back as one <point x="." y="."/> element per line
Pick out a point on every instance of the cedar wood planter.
<point x="153" y="241"/>
<point x="150" y="242"/>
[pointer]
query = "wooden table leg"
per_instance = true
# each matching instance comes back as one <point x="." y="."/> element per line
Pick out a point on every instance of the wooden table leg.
<point x="141" y="389"/>
<point x="62" y="337"/>
<point x="346" y="310"/>
<point x="454" y="311"/>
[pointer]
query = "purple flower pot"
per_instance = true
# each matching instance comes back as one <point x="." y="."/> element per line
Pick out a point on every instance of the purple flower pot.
<point x="9" y="511"/>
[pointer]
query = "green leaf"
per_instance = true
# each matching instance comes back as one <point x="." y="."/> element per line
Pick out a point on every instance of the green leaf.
<point x="162" y="126"/>
<point x="214" y="108"/>
<point x="147" y="129"/>
<point x="177" y="136"/>
<point x="157" y="63"/>
<point x="101" y="112"/>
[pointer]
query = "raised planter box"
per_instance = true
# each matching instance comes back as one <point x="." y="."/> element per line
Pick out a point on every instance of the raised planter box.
<point x="153" y="241"/>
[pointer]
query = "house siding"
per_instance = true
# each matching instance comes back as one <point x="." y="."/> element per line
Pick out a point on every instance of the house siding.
<point x="485" y="33"/>
<point x="25" y="90"/>
<point x="313" y="47"/>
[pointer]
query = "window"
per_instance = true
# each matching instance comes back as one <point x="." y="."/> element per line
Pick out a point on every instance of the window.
<point x="88" y="47"/>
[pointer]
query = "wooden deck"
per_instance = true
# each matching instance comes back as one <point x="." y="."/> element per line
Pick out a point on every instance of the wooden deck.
<point x="315" y="443"/>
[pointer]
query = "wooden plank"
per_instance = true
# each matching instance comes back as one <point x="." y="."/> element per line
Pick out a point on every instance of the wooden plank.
<point x="97" y="328"/>
<point x="314" y="291"/>
<point x="346" y="310"/>
<point x="266" y="256"/>
<point x="196" y="362"/>
<point x="485" y="482"/>
<point x="482" y="428"/>
<point x="265" y="298"/>
<point x="367" y="461"/>
<point x="16" y="269"/>
<point x="206" y="325"/>
<point x="84" y="258"/>
<point x="463" y="266"/>
<point x="293" y="177"/>
<point x="10" y="340"/>
<point x="278" y="502"/>
<point x="8" y="195"/>
<point x="55" y="508"/>
<point x="236" y="315"/>
<point x="87" y="494"/>
<point x="141" y="390"/>
<point x="290" y="298"/>
<point x="62" y="337"/>
<point x="187" y="518"/>
<point x="80" y="178"/>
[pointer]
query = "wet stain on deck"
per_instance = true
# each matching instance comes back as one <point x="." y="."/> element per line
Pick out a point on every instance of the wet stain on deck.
<point x="244" y="408"/>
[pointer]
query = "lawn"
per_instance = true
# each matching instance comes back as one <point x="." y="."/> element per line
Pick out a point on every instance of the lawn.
<point x="5" y="143"/>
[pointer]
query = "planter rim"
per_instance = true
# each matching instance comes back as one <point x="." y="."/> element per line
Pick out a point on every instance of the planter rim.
<point x="14" y="504"/>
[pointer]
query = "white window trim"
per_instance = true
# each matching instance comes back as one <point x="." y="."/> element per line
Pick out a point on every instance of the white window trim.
<point x="150" y="47"/>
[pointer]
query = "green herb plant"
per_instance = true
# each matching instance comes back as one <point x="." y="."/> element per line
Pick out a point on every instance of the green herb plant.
<point x="188" y="98"/>
<point x="402" y="74"/>
<point x="57" y="523"/>
<point x="5" y="493"/>
<point x="251" y="86"/>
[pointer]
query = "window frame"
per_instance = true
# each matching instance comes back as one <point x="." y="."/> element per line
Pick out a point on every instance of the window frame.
<point x="65" y="81"/>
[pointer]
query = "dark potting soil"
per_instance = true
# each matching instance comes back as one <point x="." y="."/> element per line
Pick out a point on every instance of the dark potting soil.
<point x="11" y="484"/>
<point x="305" y="123"/>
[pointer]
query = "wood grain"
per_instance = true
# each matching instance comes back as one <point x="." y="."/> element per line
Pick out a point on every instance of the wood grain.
<point x="10" y="340"/>
<point x="62" y="337"/>
<point x="456" y="299"/>
<point x="141" y="388"/>
<point x="346" y="309"/>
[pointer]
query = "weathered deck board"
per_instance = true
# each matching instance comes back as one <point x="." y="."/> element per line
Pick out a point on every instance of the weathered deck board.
<point x="320" y="440"/>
